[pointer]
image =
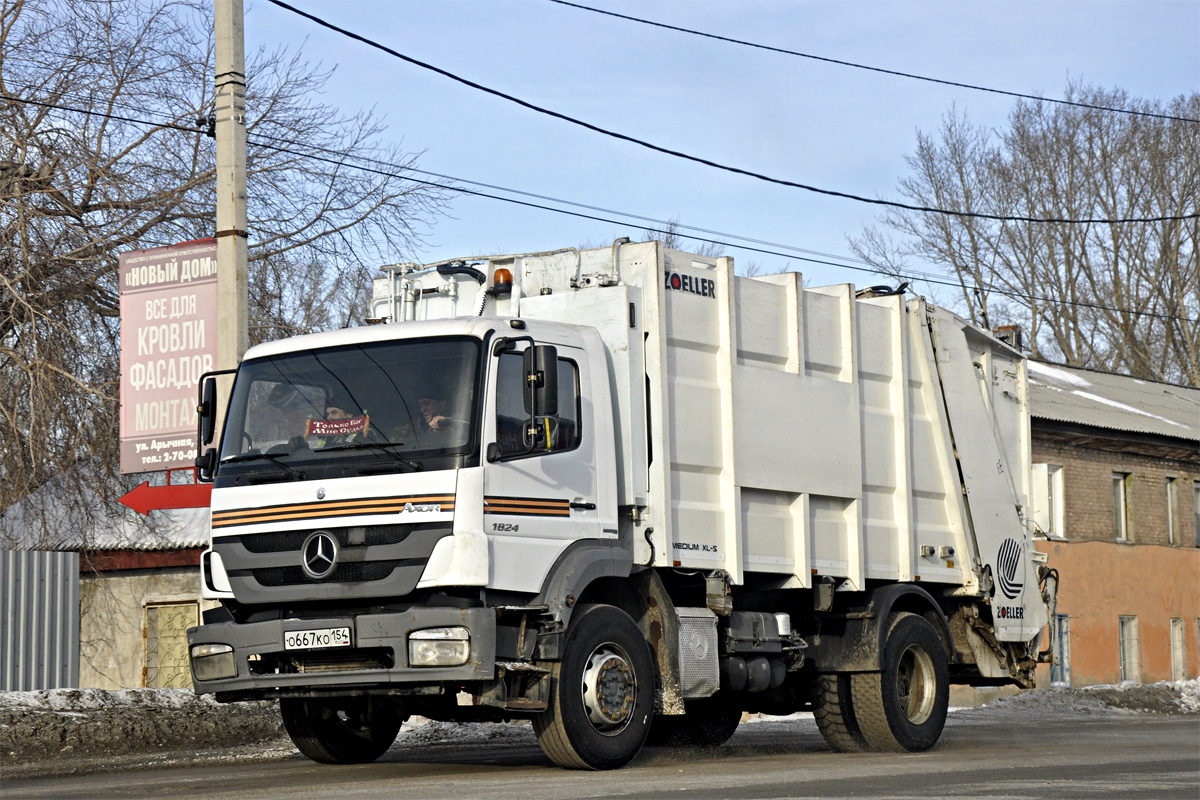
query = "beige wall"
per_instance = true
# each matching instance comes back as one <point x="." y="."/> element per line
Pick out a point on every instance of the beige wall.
<point x="1102" y="581"/>
<point x="112" y="616"/>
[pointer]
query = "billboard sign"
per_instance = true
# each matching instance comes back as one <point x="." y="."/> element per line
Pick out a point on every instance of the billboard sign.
<point x="168" y="340"/>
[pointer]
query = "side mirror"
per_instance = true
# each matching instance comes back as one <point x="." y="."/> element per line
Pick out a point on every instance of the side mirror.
<point x="207" y="412"/>
<point x="206" y="465"/>
<point x="541" y="380"/>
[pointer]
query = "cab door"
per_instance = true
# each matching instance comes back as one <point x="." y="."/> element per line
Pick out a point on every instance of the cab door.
<point x="537" y="504"/>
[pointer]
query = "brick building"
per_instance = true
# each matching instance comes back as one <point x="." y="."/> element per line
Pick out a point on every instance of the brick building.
<point x="1117" y="493"/>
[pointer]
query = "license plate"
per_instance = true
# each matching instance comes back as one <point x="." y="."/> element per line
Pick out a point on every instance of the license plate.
<point x="321" y="637"/>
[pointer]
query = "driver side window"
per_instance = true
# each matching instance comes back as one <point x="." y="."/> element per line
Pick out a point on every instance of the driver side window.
<point x="511" y="416"/>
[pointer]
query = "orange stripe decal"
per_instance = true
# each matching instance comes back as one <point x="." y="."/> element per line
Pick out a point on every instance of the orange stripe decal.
<point x="344" y="508"/>
<point x="527" y="507"/>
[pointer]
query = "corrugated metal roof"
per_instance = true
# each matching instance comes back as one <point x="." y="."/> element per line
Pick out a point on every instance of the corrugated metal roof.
<point x="39" y="523"/>
<point x="1116" y="402"/>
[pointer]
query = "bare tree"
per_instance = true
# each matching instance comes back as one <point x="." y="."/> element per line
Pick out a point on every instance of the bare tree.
<point x="104" y="106"/>
<point x="670" y="235"/>
<point x="1123" y="297"/>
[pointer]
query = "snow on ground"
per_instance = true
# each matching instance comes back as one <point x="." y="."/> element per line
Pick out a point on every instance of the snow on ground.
<point x="72" y="700"/>
<point x="86" y="729"/>
<point x="1180" y="697"/>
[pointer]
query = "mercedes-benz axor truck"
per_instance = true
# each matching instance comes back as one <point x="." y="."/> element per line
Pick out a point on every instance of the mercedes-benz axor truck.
<point x="626" y="495"/>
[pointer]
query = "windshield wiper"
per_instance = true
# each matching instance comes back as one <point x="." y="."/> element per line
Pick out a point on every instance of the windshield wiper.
<point x="383" y="447"/>
<point x="274" y="459"/>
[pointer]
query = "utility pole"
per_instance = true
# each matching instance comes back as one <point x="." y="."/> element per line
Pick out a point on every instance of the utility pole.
<point x="233" y="316"/>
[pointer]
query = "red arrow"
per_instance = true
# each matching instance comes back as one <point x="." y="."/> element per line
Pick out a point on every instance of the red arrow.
<point x="146" y="498"/>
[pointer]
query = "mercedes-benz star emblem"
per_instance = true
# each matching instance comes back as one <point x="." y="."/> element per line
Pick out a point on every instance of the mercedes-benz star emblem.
<point x="319" y="555"/>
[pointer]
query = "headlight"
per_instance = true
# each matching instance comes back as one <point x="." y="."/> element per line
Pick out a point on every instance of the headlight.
<point x="439" y="647"/>
<point x="211" y="662"/>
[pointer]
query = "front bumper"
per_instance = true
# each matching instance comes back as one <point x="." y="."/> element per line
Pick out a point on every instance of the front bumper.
<point x="377" y="658"/>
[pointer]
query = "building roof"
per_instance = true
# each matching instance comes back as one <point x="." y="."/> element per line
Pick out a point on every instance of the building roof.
<point x="1115" y="402"/>
<point x="43" y="522"/>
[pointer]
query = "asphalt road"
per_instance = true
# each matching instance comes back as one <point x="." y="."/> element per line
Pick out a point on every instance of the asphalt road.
<point x="997" y="756"/>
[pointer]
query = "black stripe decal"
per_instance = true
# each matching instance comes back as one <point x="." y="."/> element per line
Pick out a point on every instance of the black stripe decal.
<point x="370" y="506"/>
<point x="527" y="506"/>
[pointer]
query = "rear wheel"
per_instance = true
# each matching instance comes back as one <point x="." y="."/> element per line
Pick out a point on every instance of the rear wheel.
<point x="707" y="723"/>
<point x="602" y="693"/>
<point x="834" y="713"/>
<point x="341" y="730"/>
<point x="903" y="706"/>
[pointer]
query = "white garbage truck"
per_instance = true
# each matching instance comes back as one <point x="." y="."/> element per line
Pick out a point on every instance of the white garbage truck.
<point x="626" y="495"/>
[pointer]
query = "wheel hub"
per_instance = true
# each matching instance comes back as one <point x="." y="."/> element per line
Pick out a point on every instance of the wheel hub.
<point x="916" y="684"/>
<point x="609" y="688"/>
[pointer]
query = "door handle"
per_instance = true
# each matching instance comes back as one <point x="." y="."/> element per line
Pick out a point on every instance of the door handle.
<point x="583" y="506"/>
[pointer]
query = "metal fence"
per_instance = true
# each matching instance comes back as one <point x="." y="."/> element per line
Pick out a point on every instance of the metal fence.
<point x="39" y="620"/>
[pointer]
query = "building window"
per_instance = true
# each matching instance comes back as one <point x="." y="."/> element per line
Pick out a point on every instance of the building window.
<point x="1173" y="536"/>
<point x="164" y="635"/>
<point x="1129" y="645"/>
<point x="1060" y="670"/>
<point x="1121" y="516"/>
<point x="1196" y="510"/>
<point x="1178" y="651"/>
<point x="1048" y="499"/>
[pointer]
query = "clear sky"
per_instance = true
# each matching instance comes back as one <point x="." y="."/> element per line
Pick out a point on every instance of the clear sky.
<point x="793" y="118"/>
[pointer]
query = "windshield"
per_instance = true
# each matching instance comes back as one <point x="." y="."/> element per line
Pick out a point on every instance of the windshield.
<point x="396" y="402"/>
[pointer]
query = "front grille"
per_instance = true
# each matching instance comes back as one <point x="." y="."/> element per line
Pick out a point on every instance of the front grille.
<point x="343" y="573"/>
<point x="285" y="541"/>
<point x="344" y="660"/>
<point x="372" y="561"/>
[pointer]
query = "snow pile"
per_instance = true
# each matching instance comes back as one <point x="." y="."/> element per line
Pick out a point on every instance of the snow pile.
<point x="1189" y="696"/>
<point x="42" y="725"/>
<point x="1180" y="697"/>
<point x="83" y="700"/>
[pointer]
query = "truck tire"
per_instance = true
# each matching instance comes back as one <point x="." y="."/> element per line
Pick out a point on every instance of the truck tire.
<point x="834" y="712"/>
<point x="707" y="723"/>
<point x="601" y="695"/>
<point x="903" y="706"/>
<point x="341" y="730"/>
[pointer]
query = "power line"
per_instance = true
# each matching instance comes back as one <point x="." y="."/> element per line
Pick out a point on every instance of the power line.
<point x="641" y="218"/>
<point x="896" y="73"/>
<point x="345" y="159"/>
<point x="708" y="162"/>
<point x="442" y="176"/>
<point x="105" y="115"/>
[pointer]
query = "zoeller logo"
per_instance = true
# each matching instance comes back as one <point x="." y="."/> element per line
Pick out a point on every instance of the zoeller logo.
<point x="1008" y="565"/>
<point x="319" y="555"/>
<point x="680" y="282"/>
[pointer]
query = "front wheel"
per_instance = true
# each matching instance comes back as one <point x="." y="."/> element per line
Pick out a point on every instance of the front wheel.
<point x="341" y="730"/>
<point x="903" y="706"/>
<point x="602" y="693"/>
